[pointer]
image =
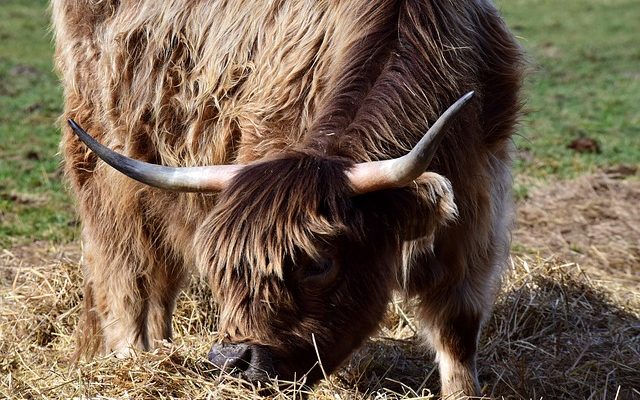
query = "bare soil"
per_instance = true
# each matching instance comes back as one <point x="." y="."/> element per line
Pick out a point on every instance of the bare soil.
<point x="593" y="222"/>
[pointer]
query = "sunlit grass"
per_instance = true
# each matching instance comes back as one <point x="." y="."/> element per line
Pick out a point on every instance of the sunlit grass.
<point x="584" y="82"/>
<point x="33" y="203"/>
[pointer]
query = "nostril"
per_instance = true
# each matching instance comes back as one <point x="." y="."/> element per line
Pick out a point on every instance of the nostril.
<point x="228" y="357"/>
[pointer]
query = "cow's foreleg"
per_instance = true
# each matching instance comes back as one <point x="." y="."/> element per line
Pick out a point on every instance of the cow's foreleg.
<point x="453" y="330"/>
<point x="119" y="294"/>
<point x="132" y="305"/>
<point x="456" y="288"/>
<point x="164" y="288"/>
<point x="456" y="281"/>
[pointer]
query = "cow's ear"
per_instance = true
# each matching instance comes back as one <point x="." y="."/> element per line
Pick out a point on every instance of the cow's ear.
<point x="414" y="211"/>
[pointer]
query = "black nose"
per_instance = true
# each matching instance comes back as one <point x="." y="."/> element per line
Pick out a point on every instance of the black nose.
<point x="253" y="362"/>
<point x="231" y="356"/>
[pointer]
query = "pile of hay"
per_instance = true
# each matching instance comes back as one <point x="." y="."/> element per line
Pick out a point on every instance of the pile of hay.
<point x="557" y="332"/>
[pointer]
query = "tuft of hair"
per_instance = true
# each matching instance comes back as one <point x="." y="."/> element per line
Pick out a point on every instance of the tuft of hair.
<point x="272" y="211"/>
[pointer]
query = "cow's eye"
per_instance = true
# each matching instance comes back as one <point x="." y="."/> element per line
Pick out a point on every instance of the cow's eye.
<point x="321" y="272"/>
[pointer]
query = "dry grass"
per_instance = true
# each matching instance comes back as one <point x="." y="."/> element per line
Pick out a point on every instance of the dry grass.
<point x="593" y="221"/>
<point x="559" y="330"/>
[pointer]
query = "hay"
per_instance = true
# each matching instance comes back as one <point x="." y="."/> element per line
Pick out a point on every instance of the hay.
<point x="559" y="330"/>
<point x="556" y="333"/>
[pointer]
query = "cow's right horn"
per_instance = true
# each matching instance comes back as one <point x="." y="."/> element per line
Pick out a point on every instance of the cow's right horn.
<point x="182" y="179"/>
<point x="398" y="172"/>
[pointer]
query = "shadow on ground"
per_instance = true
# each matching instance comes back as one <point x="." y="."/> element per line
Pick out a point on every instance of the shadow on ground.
<point x="554" y="334"/>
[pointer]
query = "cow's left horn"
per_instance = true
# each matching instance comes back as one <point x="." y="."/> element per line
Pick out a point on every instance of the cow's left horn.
<point x="183" y="179"/>
<point x="398" y="172"/>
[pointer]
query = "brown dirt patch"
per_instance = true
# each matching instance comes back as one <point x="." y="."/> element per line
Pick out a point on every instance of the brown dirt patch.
<point x="25" y="257"/>
<point x="593" y="221"/>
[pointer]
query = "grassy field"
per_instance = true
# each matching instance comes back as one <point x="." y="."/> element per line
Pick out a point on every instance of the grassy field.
<point x="33" y="203"/>
<point x="585" y="82"/>
<point x="567" y="323"/>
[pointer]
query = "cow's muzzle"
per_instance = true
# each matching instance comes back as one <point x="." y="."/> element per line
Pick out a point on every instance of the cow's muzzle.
<point x="249" y="361"/>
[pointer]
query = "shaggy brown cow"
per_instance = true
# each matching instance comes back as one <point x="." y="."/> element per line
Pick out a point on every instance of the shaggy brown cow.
<point x="302" y="235"/>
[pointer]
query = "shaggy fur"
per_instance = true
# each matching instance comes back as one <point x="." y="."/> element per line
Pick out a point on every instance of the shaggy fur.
<point x="302" y="89"/>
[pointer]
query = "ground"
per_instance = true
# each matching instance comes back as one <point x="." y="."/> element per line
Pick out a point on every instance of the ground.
<point x="566" y="323"/>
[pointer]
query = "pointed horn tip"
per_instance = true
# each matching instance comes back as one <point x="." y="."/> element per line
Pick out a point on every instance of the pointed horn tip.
<point x="459" y="104"/>
<point x="468" y="96"/>
<point x="74" y="125"/>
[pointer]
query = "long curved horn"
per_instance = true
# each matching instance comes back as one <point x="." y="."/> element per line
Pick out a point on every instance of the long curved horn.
<point x="398" y="172"/>
<point x="182" y="179"/>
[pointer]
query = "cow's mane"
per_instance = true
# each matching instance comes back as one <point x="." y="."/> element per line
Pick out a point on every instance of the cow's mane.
<point x="414" y="60"/>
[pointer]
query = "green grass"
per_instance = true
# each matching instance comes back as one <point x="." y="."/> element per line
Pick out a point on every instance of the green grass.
<point x="33" y="203"/>
<point x="585" y="81"/>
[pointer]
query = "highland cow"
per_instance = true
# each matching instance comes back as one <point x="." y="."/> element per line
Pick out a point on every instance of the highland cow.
<point x="270" y="145"/>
